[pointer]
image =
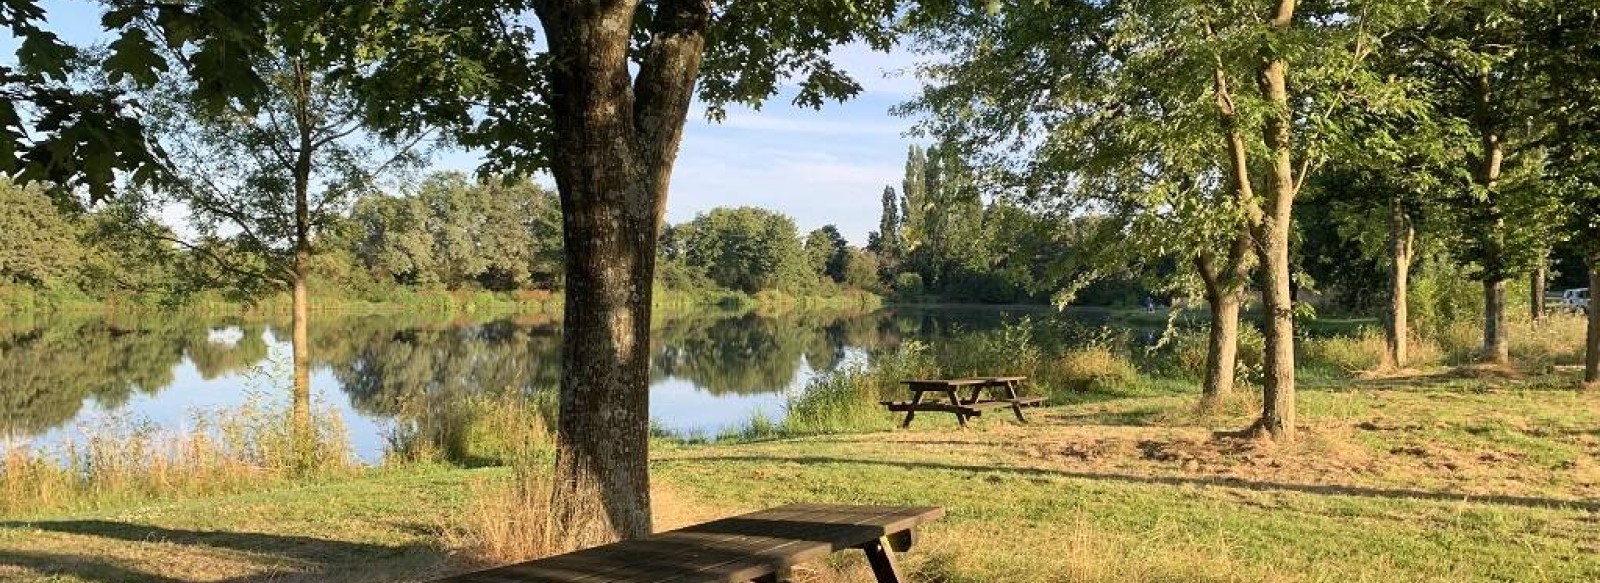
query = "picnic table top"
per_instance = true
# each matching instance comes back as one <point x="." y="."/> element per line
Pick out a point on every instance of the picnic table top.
<point x="962" y="382"/>
<point x="735" y="549"/>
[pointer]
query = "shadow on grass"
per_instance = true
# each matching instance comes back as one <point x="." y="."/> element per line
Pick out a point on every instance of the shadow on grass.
<point x="1235" y="483"/>
<point x="307" y="557"/>
<point x="1469" y="378"/>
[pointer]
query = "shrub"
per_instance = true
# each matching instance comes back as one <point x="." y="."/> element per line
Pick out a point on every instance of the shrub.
<point x="908" y="286"/>
<point x="475" y="430"/>
<point x="1008" y="350"/>
<point x="1094" y="369"/>
<point x="847" y="399"/>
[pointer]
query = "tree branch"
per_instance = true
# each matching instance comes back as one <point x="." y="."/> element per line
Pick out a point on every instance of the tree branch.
<point x="664" y="89"/>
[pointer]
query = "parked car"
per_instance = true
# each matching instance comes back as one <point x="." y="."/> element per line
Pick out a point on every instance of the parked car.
<point x="1576" y="299"/>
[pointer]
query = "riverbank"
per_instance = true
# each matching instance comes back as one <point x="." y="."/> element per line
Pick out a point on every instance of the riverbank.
<point x="1435" y="476"/>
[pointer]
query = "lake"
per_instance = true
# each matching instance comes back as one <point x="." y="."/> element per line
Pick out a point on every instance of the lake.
<point x="710" y="371"/>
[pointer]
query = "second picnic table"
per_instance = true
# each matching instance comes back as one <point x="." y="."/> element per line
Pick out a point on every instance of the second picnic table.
<point x="964" y="407"/>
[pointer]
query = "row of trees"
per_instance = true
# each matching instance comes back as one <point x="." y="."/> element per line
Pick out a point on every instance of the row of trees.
<point x="450" y="232"/>
<point x="1197" y="129"/>
<point x="1188" y="127"/>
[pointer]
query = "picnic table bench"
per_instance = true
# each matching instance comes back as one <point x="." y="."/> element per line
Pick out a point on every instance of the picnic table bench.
<point x="761" y="547"/>
<point x="964" y="407"/>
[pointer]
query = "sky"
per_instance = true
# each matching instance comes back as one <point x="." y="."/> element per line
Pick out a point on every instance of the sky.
<point x="820" y="167"/>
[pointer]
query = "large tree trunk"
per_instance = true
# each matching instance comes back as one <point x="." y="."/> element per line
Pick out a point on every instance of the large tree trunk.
<point x="614" y="141"/>
<point x="1496" y="339"/>
<point x="1536" y="290"/>
<point x="1397" y="330"/>
<point x="1278" y="399"/>
<point x="1591" y="359"/>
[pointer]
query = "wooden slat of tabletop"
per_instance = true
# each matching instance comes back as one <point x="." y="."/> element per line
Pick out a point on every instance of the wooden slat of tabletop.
<point x="662" y="555"/>
<point x="828" y="529"/>
<point x="942" y="383"/>
<point x="731" y="549"/>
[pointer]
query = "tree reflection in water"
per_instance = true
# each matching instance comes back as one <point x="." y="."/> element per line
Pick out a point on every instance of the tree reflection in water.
<point x="414" y="369"/>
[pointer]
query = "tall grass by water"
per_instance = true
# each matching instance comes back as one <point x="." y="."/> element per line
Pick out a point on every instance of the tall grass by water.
<point x="119" y="458"/>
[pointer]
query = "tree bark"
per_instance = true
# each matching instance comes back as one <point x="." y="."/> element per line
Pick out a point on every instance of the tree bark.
<point x="614" y="141"/>
<point x="1278" y="399"/>
<point x="1496" y="343"/>
<point x="1496" y="339"/>
<point x="1222" y="352"/>
<point x="1591" y="359"/>
<point x="303" y="434"/>
<point x="1537" y="285"/>
<point x="1397" y="329"/>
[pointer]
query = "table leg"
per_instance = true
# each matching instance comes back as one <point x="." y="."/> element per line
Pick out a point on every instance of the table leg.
<point x="911" y="413"/>
<point x="881" y="557"/>
<point x="955" y="401"/>
<point x="1016" y="404"/>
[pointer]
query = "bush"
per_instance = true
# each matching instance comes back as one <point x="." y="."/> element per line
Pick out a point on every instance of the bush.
<point x="476" y="430"/>
<point x="908" y="286"/>
<point x="1009" y="350"/>
<point x="847" y="399"/>
<point x="1094" y="369"/>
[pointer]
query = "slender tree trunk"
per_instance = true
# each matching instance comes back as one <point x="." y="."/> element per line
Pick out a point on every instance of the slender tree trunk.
<point x="1496" y="339"/>
<point x="1222" y="353"/>
<point x="1591" y="359"/>
<point x="1278" y="398"/>
<point x="303" y="433"/>
<point x="1397" y="329"/>
<point x="1536" y="290"/>
<point x="614" y="141"/>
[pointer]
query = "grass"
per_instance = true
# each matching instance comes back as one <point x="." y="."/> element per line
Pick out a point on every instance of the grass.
<point x="1432" y="474"/>
<point x="1427" y="478"/>
<point x="118" y="460"/>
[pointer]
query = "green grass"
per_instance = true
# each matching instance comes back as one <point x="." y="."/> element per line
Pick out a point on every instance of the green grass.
<point x="1426" y="478"/>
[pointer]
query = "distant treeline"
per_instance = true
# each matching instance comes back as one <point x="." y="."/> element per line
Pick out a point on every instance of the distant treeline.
<point x="449" y="234"/>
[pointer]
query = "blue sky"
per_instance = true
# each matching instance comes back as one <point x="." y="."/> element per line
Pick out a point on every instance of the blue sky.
<point x="820" y="167"/>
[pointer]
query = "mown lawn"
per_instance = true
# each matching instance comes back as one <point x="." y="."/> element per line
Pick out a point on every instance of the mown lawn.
<point x="1439" y="478"/>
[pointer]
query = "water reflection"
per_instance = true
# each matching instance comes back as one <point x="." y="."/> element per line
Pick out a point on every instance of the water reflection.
<point x="710" y="371"/>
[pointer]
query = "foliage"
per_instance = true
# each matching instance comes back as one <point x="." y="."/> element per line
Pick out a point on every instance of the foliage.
<point x="745" y="249"/>
<point x="495" y="234"/>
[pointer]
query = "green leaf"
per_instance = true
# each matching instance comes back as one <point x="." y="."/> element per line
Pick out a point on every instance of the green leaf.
<point x="134" y="55"/>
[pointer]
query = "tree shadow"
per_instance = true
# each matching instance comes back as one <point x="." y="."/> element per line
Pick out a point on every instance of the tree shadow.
<point x="308" y="557"/>
<point x="1465" y="378"/>
<point x="1219" y="482"/>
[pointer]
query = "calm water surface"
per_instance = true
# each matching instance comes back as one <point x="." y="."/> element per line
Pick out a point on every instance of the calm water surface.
<point x="709" y="372"/>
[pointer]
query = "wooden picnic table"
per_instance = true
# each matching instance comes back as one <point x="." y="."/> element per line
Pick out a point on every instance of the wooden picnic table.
<point x="762" y="547"/>
<point x="965" y="407"/>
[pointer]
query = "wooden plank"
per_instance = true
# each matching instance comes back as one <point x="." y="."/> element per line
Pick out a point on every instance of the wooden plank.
<point x="835" y="528"/>
<point x="728" y="550"/>
<point x="936" y="408"/>
<point x="942" y="384"/>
